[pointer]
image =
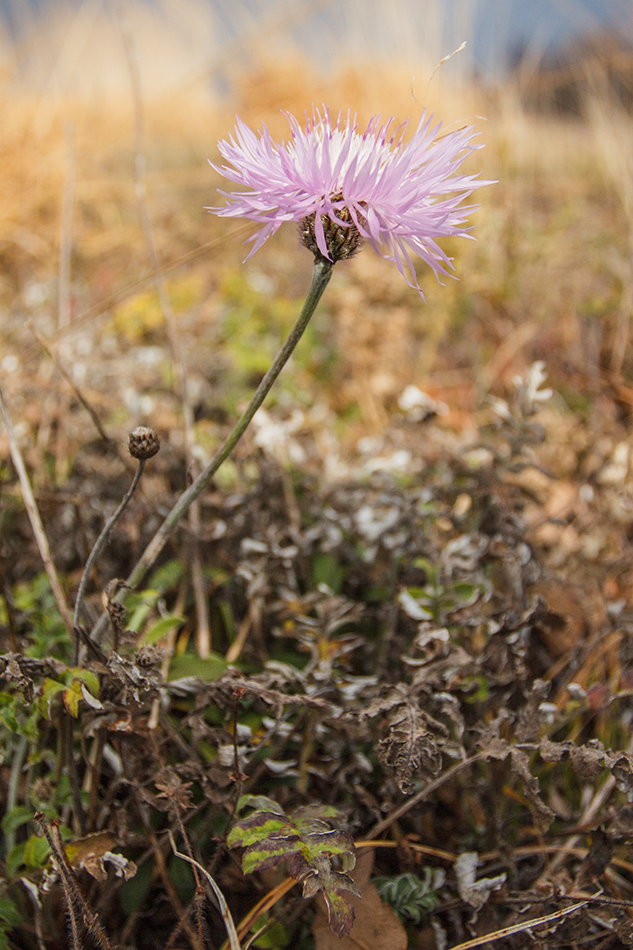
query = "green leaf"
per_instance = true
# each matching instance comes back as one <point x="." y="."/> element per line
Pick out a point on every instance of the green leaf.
<point x="257" y="827"/>
<point x="9" y="912"/>
<point x="269" y="853"/>
<point x="327" y="569"/>
<point x="84" y="676"/>
<point x="50" y="689"/>
<point x="72" y="696"/>
<point x="339" y="909"/>
<point x="189" y="664"/>
<point x="36" y="852"/>
<point x="162" y="628"/>
<point x="9" y="705"/>
<point x="15" y="818"/>
<point x="308" y="843"/>
<point x="141" y="613"/>
<point x="167" y="576"/>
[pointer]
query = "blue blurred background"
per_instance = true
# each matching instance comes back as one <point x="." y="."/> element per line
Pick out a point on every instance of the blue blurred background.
<point x="190" y="40"/>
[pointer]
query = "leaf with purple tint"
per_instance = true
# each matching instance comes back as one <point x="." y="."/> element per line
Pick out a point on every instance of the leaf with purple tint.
<point x="308" y="843"/>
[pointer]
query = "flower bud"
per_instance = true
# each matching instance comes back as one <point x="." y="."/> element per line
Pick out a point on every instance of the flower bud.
<point x="143" y="443"/>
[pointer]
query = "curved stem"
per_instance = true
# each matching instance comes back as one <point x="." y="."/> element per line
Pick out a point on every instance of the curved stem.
<point x="98" y="547"/>
<point x="320" y="279"/>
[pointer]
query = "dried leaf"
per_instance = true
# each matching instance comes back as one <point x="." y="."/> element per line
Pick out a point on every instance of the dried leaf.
<point x="93" y="852"/>
<point x="414" y="738"/>
<point x="498" y="748"/>
<point x="596" y="860"/>
<point x="474" y="892"/>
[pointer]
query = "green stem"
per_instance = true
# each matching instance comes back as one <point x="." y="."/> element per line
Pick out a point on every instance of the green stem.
<point x="320" y="279"/>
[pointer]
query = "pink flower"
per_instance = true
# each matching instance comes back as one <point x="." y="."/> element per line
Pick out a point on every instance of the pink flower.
<point x="343" y="186"/>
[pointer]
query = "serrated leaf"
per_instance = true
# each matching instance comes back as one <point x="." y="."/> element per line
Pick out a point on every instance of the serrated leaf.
<point x="269" y="853"/>
<point x="257" y="827"/>
<point x="308" y="843"/>
<point x="331" y="842"/>
<point x="334" y="885"/>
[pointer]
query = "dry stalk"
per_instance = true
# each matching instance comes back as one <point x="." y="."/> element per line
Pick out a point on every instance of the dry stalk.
<point x="65" y="235"/>
<point x="203" y="628"/>
<point x="586" y="819"/>
<point x="234" y="941"/>
<point x="163" y="871"/>
<point x="76" y="390"/>
<point x="427" y="790"/>
<point x="527" y="925"/>
<point x="98" y="547"/>
<point x="78" y="907"/>
<point x="34" y="515"/>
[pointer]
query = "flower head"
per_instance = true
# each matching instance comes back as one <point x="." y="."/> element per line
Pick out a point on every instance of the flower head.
<point x="343" y="186"/>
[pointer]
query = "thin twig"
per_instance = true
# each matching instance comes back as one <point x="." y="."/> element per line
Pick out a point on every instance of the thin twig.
<point x="519" y="928"/>
<point x="427" y="790"/>
<point x="203" y="625"/>
<point x="74" y="895"/>
<point x="99" y="545"/>
<point x="34" y="515"/>
<point x="163" y="871"/>
<point x="200" y="889"/>
<point x="587" y="819"/>
<point x="66" y="375"/>
<point x="65" y="235"/>
<point x="224" y="909"/>
<point x="265" y="904"/>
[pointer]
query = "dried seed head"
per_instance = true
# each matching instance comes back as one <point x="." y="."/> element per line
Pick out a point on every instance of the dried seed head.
<point x="143" y="443"/>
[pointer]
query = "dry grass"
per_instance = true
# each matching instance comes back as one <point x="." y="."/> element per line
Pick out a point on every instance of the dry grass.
<point x="547" y="278"/>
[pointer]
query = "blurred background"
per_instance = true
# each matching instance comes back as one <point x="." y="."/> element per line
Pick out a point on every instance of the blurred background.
<point x="108" y="258"/>
<point x="75" y="44"/>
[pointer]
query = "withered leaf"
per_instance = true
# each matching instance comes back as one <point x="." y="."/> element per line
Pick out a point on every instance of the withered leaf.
<point x="497" y="748"/>
<point x="94" y="852"/>
<point x="413" y="738"/>
<point x="474" y="892"/>
<point x="596" y="860"/>
<point x="590" y="760"/>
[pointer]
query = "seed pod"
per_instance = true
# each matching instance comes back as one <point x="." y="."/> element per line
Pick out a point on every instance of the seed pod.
<point x="143" y="443"/>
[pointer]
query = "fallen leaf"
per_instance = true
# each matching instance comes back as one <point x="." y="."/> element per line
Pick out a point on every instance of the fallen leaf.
<point x="375" y="925"/>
